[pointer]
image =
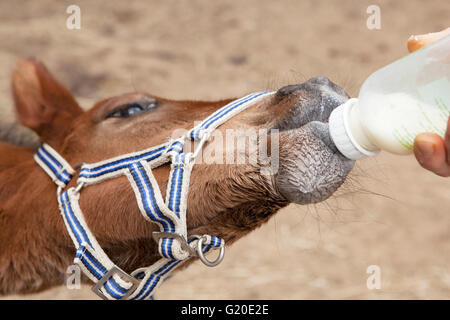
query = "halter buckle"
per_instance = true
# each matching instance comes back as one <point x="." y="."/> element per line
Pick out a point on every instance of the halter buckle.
<point x="109" y="274"/>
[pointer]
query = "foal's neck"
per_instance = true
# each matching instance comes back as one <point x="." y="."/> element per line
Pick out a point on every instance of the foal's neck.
<point x="30" y="225"/>
<point x="35" y="248"/>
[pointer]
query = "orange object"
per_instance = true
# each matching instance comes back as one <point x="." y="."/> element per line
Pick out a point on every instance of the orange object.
<point x="417" y="42"/>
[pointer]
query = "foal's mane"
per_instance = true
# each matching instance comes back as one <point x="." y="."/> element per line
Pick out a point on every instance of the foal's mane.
<point x="18" y="135"/>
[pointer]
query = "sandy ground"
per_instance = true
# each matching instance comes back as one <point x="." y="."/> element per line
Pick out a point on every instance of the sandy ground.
<point x="390" y="213"/>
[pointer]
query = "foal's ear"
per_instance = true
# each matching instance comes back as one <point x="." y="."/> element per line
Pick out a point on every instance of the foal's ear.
<point x="42" y="103"/>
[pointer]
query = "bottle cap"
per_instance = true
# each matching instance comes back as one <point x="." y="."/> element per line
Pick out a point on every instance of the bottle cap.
<point x="341" y="134"/>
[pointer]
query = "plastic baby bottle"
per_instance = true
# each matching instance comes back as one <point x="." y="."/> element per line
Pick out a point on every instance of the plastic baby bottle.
<point x="395" y="104"/>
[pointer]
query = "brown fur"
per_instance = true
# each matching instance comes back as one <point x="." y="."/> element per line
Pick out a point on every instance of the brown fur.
<point x="225" y="200"/>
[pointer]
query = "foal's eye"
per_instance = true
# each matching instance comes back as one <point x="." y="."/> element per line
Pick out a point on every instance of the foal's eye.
<point x="131" y="109"/>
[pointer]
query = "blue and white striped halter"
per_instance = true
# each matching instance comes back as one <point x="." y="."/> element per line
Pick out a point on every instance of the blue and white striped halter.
<point x="174" y="246"/>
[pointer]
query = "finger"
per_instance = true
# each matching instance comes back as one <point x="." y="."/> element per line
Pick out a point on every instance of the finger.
<point x="447" y="140"/>
<point x="417" y="42"/>
<point x="431" y="153"/>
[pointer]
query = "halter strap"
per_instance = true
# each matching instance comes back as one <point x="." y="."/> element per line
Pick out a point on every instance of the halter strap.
<point x="170" y="215"/>
<point x="111" y="281"/>
<point x="54" y="165"/>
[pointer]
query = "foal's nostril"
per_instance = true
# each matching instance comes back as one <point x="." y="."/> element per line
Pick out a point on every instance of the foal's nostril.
<point x="312" y="83"/>
<point x="287" y="90"/>
<point x="320" y="80"/>
<point x="324" y="83"/>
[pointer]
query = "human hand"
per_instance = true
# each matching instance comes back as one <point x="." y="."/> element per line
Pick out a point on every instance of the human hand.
<point x="431" y="151"/>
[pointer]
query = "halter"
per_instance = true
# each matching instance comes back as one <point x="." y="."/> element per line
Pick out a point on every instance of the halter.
<point x="174" y="246"/>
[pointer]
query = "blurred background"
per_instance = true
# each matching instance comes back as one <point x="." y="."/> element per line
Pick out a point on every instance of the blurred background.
<point x="390" y="213"/>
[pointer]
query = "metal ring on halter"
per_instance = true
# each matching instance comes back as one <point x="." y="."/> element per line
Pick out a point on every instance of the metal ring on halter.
<point x="205" y="135"/>
<point x="169" y="144"/>
<point x="79" y="187"/>
<point x="203" y="258"/>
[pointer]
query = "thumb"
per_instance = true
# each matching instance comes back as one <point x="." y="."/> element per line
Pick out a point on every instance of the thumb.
<point x="430" y="151"/>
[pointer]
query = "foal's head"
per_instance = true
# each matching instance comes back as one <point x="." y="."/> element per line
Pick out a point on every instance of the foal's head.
<point x="226" y="198"/>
